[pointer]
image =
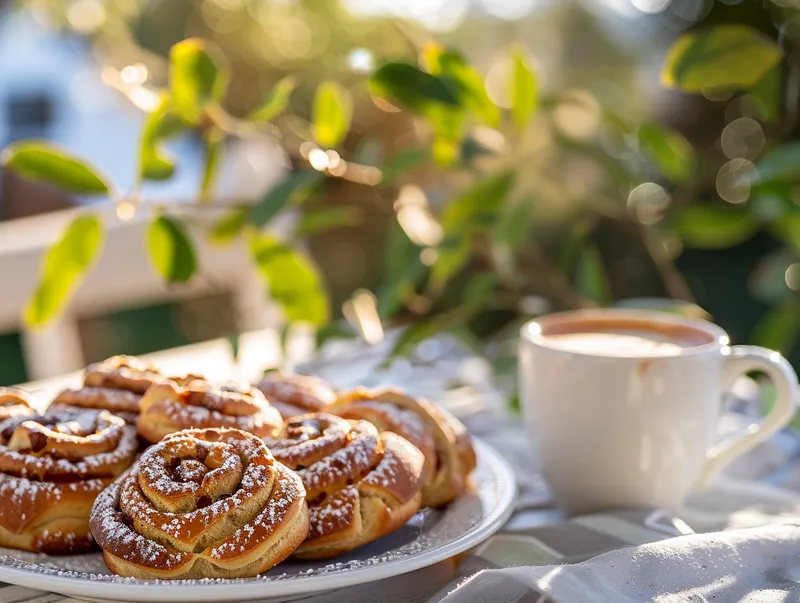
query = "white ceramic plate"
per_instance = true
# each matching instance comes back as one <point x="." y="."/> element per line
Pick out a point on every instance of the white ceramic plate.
<point x="429" y="537"/>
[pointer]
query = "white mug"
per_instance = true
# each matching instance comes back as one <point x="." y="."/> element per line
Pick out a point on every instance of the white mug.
<point x="636" y="428"/>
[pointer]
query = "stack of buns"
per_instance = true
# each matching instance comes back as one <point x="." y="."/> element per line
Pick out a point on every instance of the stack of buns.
<point x="231" y="481"/>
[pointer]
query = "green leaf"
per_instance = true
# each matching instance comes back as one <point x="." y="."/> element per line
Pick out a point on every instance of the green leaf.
<point x="401" y="162"/>
<point x="313" y="222"/>
<point x="295" y="187"/>
<point x="333" y="110"/>
<point x="171" y="250"/>
<point x="787" y="228"/>
<point x="669" y="151"/>
<point x="778" y="328"/>
<point x="446" y="151"/>
<point x="160" y="125"/>
<point x="214" y="141"/>
<point x="708" y="227"/>
<point x="63" y="266"/>
<point x="199" y="75"/>
<point x="772" y="200"/>
<point x="475" y="210"/>
<point x="452" y="64"/>
<point x="524" y="91"/>
<point x="452" y="255"/>
<point x="401" y="271"/>
<point x="512" y="227"/>
<point x="479" y="291"/>
<point x="591" y="280"/>
<point x="769" y="90"/>
<point x="413" y="88"/>
<point x="791" y="231"/>
<point x="228" y="226"/>
<point x="276" y="102"/>
<point x="723" y="56"/>
<point x="293" y="280"/>
<point x="41" y="162"/>
<point x="479" y="206"/>
<point x="782" y="164"/>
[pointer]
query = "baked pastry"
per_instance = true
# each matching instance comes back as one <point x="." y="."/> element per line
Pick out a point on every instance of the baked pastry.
<point x="203" y="503"/>
<point x="52" y="467"/>
<point x="14" y="403"/>
<point x="170" y="407"/>
<point x="360" y="485"/>
<point x="443" y="439"/>
<point x="293" y="394"/>
<point x="116" y="384"/>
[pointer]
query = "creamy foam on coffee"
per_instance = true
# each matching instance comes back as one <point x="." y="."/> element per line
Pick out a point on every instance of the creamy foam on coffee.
<point x="624" y="338"/>
<point x="614" y="344"/>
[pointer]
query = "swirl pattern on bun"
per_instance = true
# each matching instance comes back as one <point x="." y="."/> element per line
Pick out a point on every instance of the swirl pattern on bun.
<point x="204" y="503"/>
<point x="52" y="467"/>
<point x="294" y="395"/>
<point x="360" y="484"/>
<point x="116" y="385"/>
<point x="169" y="407"/>
<point x="443" y="439"/>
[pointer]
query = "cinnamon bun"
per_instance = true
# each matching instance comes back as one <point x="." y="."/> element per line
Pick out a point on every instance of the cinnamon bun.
<point x="203" y="503"/>
<point x="52" y="467"/>
<point x="293" y="394"/>
<point x="116" y="385"/>
<point x="443" y="439"/>
<point x="360" y="485"/>
<point x="169" y="407"/>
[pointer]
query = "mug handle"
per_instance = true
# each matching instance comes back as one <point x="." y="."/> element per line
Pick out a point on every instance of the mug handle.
<point x="741" y="359"/>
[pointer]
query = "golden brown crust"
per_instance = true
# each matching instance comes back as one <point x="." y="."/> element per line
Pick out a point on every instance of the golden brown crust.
<point x="52" y="467"/>
<point x="294" y="395"/>
<point x="204" y="503"/>
<point x="167" y="408"/>
<point x="121" y="402"/>
<point x="361" y="485"/>
<point x="443" y="439"/>
<point x="123" y="372"/>
<point x="115" y="384"/>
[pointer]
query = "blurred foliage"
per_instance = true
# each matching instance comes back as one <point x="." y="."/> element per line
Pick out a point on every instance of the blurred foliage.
<point x="511" y="193"/>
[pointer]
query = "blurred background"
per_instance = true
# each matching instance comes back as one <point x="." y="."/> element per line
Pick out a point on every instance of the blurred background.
<point x="591" y="160"/>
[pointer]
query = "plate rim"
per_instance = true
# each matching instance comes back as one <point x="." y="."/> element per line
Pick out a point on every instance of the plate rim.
<point x="258" y="590"/>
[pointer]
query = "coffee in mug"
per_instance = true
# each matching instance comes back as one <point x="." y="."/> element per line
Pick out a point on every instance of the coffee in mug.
<point x="624" y="404"/>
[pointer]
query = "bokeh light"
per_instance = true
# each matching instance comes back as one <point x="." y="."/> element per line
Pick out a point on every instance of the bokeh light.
<point x="651" y="6"/>
<point x="361" y="310"/>
<point x="742" y="138"/>
<point x="428" y="256"/>
<point x="793" y="277"/>
<point x="497" y="79"/>
<point x="361" y="60"/>
<point x="334" y="159"/>
<point x="134" y="74"/>
<point x="648" y="202"/>
<point x="318" y="159"/>
<point x="415" y="217"/>
<point x="578" y="116"/>
<point x="437" y="15"/>
<point x="734" y="178"/>
<point x="86" y="16"/>
<point x="125" y="210"/>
